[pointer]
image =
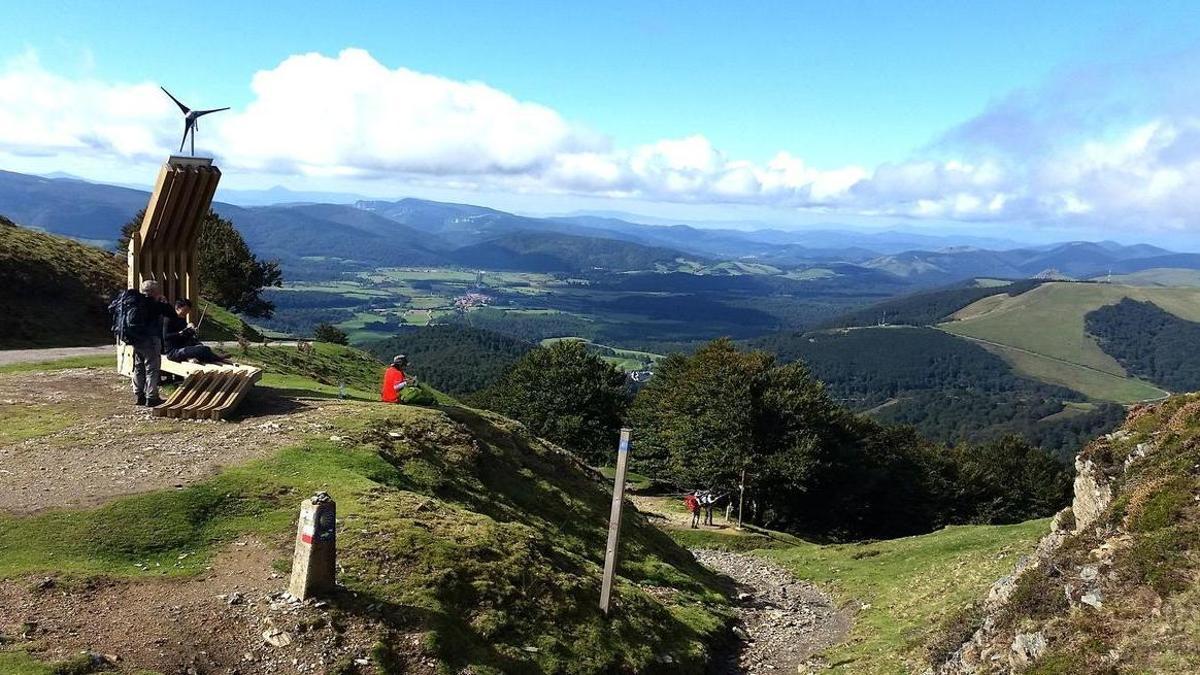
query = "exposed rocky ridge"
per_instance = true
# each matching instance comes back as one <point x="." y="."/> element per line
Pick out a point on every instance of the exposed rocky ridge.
<point x="1112" y="587"/>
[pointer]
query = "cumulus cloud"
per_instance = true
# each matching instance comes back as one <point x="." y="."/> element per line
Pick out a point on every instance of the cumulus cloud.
<point x="1073" y="150"/>
<point x="43" y="113"/>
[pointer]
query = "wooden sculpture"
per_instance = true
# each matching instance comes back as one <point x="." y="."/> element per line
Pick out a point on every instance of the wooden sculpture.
<point x="164" y="249"/>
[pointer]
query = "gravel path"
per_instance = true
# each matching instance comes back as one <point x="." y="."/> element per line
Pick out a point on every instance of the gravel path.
<point x="10" y="356"/>
<point x="784" y="622"/>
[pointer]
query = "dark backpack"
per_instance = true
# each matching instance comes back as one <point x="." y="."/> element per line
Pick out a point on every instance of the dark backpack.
<point x="130" y="317"/>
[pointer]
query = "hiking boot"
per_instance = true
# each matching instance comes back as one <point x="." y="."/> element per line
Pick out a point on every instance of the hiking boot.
<point x="141" y="399"/>
<point x="153" y="402"/>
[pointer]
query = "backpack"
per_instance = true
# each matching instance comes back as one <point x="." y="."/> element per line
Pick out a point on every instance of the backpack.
<point x="691" y="503"/>
<point x="415" y="395"/>
<point x="129" y="318"/>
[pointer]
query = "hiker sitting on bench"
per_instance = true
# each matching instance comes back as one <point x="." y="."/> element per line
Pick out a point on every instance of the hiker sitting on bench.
<point x="181" y="343"/>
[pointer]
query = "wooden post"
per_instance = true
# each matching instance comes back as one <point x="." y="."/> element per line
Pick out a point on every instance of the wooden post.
<point x="741" y="497"/>
<point x="614" y="523"/>
<point x="314" y="564"/>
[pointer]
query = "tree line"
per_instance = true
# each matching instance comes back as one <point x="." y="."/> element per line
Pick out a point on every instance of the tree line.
<point x="812" y="465"/>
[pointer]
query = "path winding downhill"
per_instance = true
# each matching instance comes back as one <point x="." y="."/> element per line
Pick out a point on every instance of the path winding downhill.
<point x="784" y="622"/>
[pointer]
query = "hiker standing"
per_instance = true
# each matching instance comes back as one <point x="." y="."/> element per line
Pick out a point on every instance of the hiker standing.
<point x="394" y="380"/>
<point x="707" y="502"/>
<point x="138" y="322"/>
<point x="693" y="506"/>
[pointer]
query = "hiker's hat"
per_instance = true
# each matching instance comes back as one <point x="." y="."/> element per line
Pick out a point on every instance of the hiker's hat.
<point x="399" y="358"/>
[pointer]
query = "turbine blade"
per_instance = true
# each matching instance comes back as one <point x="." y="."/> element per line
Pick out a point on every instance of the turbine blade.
<point x="205" y="112"/>
<point x="184" y="139"/>
<point x="182" y="107"/>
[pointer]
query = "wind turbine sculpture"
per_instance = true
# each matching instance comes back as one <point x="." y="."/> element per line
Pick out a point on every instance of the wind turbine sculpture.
<point x="189" y="120"/>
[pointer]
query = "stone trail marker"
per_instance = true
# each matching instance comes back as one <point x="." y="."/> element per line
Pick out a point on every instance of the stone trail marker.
<point x="614" y="523"/>
<point x="314" y="564"/>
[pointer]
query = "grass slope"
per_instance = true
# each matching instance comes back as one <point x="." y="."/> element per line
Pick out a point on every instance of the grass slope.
<point x="54" y="291"/>
<point x="1048" y="322"/>
<point x="454" y="522"/>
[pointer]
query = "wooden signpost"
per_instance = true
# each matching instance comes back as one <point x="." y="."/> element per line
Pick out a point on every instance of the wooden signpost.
<point x="614" y="523"/>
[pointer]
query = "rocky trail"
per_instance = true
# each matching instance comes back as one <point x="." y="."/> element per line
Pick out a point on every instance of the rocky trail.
<point x="783" y="622"/>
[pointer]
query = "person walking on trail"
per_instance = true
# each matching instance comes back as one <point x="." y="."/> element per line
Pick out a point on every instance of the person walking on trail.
<point x="394" y="380"/>
<point x="708" y="502"/>
<point x="693" y="506"/>
<point x="138" y="322"/>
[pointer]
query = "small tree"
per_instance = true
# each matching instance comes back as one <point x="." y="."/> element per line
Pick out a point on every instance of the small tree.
<point x="567" y="395"/>
<point x="327" y="332"/>
<point x="230" y="274"/>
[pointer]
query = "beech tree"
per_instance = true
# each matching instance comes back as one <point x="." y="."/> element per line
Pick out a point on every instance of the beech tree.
<point x="567" y="395"/>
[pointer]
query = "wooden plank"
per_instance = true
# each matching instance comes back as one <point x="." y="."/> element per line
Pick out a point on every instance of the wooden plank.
<point x="165" y="175"/>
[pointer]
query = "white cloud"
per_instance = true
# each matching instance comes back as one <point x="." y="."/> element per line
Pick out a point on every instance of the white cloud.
<point x="44" y="113"/>
<point x="348" y="115"/>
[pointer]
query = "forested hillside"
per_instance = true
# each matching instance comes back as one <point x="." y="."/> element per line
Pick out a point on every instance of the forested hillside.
<point x="950" y="389"/>
<point x="927" y="308"/>
<point x="455" y="359"/>
<point x="1149" y="342"/>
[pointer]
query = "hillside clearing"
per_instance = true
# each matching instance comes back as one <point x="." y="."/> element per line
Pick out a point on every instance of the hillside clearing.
<point x="1048" y="321"/>
<point x="1095" y="384"/>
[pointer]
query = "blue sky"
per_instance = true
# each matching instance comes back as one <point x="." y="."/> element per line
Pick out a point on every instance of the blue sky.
<point x="895" y="96"/>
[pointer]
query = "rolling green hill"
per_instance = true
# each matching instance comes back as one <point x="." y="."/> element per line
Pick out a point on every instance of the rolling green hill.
<point x="54" y="292"/>
<point x="950" y="389"/>
<point x="1042" y="333"/>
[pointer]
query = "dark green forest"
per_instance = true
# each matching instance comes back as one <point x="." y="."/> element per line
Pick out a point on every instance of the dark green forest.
<point x="814" y="466"/>
<point x="1149" y="342"/>
<point x="949" y="389"/>
<point x="456" y="359"/>
<point x="925" y="309"/>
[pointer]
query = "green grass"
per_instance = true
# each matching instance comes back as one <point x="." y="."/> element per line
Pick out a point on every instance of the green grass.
<point x="906" y="587"/>
<point x="106" y="361"/>
<point x="1048" y="322"/>
<point x="633" y="481"/>
<point x="1091" y="383"/>
<point x="1161" y="276"/>
<point x="19" y="422"/>
<point x="222" y="325"/>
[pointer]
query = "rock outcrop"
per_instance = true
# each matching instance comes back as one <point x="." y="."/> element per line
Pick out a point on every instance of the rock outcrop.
<point x="1091" y="597"/>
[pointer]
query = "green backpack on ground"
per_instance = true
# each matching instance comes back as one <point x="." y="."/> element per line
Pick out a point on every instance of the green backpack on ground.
<point x="417" y="395"/>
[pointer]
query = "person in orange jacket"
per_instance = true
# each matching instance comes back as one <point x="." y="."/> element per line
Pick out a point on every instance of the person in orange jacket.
<point x="394" y="380"/>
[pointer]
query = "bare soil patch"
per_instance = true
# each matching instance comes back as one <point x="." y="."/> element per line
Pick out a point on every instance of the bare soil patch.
<point x="230" y="619"/>
<point x="113" y="448"/>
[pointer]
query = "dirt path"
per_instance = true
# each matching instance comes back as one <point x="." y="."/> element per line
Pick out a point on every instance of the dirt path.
<point x="784" y="621"/>
<point x="90" y="444"/>
<point x="212" y="623"/>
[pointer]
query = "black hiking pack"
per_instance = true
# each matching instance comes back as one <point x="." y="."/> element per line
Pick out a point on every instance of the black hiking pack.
<point x="130" y="317"/>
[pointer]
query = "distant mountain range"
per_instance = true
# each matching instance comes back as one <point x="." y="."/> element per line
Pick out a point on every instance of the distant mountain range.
<point x="372" y="233"/>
